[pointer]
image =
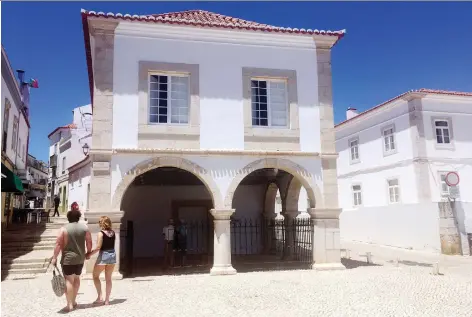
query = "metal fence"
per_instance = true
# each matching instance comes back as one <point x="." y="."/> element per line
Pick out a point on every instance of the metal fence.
<point x="283" y="239"/>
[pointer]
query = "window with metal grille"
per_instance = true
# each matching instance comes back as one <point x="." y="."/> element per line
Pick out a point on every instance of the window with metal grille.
<point x="169" y="99"/>
<point x="269" y="102"/>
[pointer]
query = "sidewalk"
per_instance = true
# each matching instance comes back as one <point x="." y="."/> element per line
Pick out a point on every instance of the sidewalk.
<point x="384" y="255"/>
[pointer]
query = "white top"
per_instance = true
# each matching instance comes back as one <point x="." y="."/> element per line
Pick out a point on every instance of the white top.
<point x="168" y="232"/>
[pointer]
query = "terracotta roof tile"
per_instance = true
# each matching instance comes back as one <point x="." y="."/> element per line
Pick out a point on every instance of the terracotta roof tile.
<point x="210" y="19"/>
<point x="422" y="90"/>
<point x="67" y="126"/>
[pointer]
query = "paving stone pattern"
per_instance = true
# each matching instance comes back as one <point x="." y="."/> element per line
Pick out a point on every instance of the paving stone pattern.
<point x="362" y="291"/>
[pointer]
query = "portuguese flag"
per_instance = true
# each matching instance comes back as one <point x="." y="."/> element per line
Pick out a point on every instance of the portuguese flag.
<point x="33" y="83"/>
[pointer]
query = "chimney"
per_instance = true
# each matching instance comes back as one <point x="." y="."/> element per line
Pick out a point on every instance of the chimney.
<point x="351" y="113"/>
<point x="21" y="75"/>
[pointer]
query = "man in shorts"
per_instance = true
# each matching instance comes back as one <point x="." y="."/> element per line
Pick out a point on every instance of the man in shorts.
<point x="71" y="241"/>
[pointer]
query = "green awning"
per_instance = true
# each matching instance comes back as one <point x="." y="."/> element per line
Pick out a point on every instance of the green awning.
<point x="10" y="182"/>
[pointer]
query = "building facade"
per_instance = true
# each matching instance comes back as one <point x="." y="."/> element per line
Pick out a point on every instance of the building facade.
<point x="204" y="117"/>
<point x="37" y="181"/>
<point x="15" y="138"/>
<point x="392" y="167"/>
<point x="79" y="183"/>
<point x="66" y="148"/>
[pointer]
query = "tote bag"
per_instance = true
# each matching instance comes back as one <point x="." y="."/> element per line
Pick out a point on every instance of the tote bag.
<point x="58" y="282"/>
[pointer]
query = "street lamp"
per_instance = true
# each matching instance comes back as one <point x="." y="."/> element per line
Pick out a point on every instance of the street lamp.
<point x="85" y="149"/>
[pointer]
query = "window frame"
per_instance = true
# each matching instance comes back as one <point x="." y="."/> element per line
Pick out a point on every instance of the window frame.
<point x="450" y="129"/>
<point x="64" y="161"/>
<point x="16" y="123"/>
<point x="353" y="192"/>
<point x="168" y="74"/>
<point x="388" y="180"/>
<point x="5" y="124"/>
<point x="443" y="194"/>
<point x="390" y="151"/>
<point x="358" y="159"/>
<point x="268" y="80"/>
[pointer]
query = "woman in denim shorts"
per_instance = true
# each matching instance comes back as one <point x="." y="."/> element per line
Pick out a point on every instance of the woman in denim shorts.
<point x="106" y="259"/>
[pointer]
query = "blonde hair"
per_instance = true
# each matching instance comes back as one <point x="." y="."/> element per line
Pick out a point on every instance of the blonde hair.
<point x="105" y="223"/>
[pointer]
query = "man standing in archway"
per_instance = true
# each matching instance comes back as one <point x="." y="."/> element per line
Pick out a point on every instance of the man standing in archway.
<point x="168" y="234"/>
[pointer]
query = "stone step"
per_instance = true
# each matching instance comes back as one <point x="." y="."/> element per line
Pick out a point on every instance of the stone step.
<point x="23" y="271"/>
<point x="16" y="260"/>
<point x="12" y="249"/>
<point x="26" y="243"/>
<point x="24" y="266"/>
<point x="21" y="238"/>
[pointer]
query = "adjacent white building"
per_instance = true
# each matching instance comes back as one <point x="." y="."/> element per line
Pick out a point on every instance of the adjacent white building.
<point x="15" y="137"/>
<point x="205" y="117"/>
<point x="79" y="183"/>
<point x="393" y="160"/>
<point x="68" y="145"/>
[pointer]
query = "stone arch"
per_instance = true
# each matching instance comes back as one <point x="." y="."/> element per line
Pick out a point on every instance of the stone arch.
<point x="167" y="161"/>
<point x="298" y="172"/>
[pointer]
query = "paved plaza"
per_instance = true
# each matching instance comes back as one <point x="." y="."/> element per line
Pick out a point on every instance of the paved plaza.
<point x="389" y="289"/>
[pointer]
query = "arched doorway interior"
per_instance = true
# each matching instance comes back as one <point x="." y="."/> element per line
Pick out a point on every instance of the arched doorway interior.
<point x="150" y="202"/>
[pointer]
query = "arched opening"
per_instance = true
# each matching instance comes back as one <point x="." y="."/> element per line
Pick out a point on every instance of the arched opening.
<point x="268" y="228"/>
<point x="168" y="226"/>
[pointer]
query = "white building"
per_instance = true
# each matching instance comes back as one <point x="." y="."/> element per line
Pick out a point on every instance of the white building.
<point x="392" y="164"/>
<point x="198" y="115"/>
<point x="79" y="183"/>
<point x="15" y="137"/>
<point x="37" y="177"/>
<point x="66" y="148"/>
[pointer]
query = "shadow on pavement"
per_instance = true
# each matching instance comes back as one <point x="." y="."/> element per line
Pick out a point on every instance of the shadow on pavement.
<point x="352" y="264"/>
<point x="92" y="305"/>
<point x="412" y="263"/>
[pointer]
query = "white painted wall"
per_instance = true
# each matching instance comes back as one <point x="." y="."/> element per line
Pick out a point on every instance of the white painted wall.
<point x="414" y="226"/>
<point x="19" y="154"/>
<point x="79" y="180"/>
<point x="221" y="95"/>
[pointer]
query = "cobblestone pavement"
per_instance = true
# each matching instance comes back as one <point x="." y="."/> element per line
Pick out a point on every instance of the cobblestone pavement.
<point x="361" y="291"/>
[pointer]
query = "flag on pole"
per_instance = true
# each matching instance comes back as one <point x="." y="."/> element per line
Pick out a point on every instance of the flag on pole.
<point x="33" y="83"/>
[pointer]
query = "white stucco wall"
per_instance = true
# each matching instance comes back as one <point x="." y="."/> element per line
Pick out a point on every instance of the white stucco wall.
<point x="221" y="92"/>
<point x="18" y="155"/>
<point x="412" y="226"/>
<point x="78" y="186"/>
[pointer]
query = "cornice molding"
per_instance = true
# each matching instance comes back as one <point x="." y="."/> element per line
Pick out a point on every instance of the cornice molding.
<point x="211" y="152"/>
<point x="173" y="32"/>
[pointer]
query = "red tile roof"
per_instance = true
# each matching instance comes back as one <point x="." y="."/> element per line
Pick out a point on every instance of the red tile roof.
<point x="67" y="126"/>
<point x="198" y="18"/>
<point x="422" y="90"/>
<point x="209" y="19"/>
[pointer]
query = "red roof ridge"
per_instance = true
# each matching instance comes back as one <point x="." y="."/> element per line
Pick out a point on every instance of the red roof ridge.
<point x="67" y="126"/>
<point x="421" y="90"/>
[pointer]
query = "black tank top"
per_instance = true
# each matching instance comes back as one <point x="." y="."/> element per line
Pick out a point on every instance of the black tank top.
<point x="108" y="243"/>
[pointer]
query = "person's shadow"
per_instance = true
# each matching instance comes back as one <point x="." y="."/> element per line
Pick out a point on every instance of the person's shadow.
<point x="92" y="305"/>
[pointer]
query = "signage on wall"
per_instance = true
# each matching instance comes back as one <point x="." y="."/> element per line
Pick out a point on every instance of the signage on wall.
<point x="452" y="179"/>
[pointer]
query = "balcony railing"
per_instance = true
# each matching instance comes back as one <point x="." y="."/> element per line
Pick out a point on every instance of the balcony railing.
<point x="53" y="161"/>
<point x="65" y="140"/>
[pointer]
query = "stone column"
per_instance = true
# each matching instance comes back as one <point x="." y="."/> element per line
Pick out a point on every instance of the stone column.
<point x="326" y="239"/>
<point x="290" y="218"/>
<point x="222" y="243"/>
<point x="269" y="232"/>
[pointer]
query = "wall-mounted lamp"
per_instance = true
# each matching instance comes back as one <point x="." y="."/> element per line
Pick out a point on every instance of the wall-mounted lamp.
<point x="86" y="149"/>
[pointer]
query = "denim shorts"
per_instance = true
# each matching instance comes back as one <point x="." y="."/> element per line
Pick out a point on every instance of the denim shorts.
<point x="106" y="257"/>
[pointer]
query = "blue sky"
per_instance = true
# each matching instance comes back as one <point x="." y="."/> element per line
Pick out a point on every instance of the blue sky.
<point x="389" y="48"/>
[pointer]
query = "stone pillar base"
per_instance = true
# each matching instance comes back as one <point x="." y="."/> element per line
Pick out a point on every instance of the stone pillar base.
<point x="222" y="270"/>
<point x="114" y="276"/>
<point x="328" y="266"/>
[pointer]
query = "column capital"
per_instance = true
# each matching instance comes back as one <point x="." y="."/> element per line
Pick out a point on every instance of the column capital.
<point x="324" y="213"/>
<point x="222" y="214"/>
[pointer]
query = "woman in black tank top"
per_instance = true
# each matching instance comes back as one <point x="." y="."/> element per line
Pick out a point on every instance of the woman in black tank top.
<point x="106" y="259"/>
